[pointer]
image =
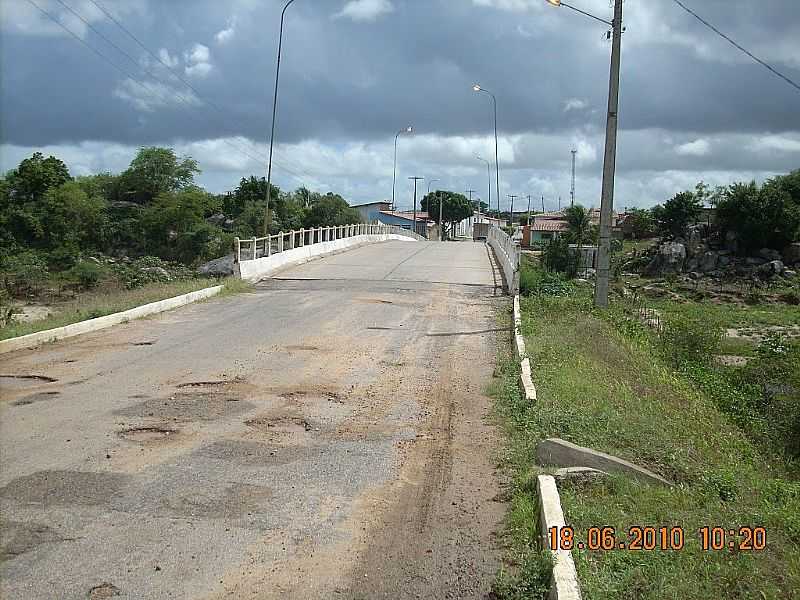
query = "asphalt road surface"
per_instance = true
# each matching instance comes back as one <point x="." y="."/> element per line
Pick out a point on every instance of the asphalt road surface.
<point x="325" y="436"/>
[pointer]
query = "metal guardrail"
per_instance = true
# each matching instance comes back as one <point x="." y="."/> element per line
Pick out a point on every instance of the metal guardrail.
<point x="254" y="248"/>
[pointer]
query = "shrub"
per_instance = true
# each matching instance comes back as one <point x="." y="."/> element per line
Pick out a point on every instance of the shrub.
<point x="537" y="282"/>
<point x="87" y="274"/>
<point x="25" y="272"/>
<point x="686" y="340"/>
<point x="559" y="257"/>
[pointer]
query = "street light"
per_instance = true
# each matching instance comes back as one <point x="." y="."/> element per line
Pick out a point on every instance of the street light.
<point x="610" y="158"/>
<point x="478" y="88"/>
<point x="489" y="175"/>
<point x="268" y="216"/>
<point x="408" y="130"/>
<point x="415" y="180"/>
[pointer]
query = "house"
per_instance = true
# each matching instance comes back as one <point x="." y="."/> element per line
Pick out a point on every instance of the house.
<point x="405" y="219"/>
<point x="547" y="226"/>
<point x="369" y="211"/>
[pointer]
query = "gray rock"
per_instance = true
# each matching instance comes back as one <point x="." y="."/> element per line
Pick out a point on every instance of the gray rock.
<point x="708" y="262"/>
<point x="160" y="271"/>
<point x="769" y="254"/>
<point x="724" y="260"/>
<point x="731" y="242"/>
<point x="560" y="453"/>
<point x="695" y="275"/>
<point x="669" y="259"/>
<point x="219" y="267"/>
<point x="789" y="273"/>
<point x="771" y="269"/>
<point x="755" y="261"/>
<point x="695" y="244"/>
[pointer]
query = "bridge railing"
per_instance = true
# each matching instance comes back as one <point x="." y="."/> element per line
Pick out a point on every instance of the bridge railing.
<point x="508" y="253"/>
<point x="259" y="247"/>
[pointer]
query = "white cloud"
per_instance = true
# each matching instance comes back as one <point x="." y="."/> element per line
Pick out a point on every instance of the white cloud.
<point x="365" y="10"/>
<point x="699" y="147"/>
<point x="153" y="95"/>
<point x="167" y="59"/>
<point x="511" y="5"/>
<point x="24" y="18"/>
<point x="777" y="143"/>
<point x="575" y="104"/>
<point x="198" y="61"/>
<point x="226" y="35"/>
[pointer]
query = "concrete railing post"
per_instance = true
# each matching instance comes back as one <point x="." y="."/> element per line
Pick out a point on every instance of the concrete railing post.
<point x="302" y="237"/>
<point x="280" y="243"/>
<point x="237" y="250"/>
<point x="291" y="239"/>
<point x="254" y="248"/>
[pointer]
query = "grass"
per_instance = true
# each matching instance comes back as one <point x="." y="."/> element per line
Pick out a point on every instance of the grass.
<point x="603" y="383"/>
<point x="95" y="304"/>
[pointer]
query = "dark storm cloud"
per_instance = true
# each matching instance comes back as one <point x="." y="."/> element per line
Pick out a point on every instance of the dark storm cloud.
<point x="349" y="80"/>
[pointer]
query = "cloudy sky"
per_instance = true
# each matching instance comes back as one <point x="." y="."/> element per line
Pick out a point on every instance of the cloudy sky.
<point x="199" y="76"/>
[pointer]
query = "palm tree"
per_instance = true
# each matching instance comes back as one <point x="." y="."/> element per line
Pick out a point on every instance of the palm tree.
<point x="579" y="220"/>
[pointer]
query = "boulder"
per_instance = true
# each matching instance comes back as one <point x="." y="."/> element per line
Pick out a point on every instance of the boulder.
<point x="695" y="244"/>
<point x="731" y="242"/>
<point x="708" y="262"/>
<point x="769" y="254"/>
<point x="220" y="220"/>
<point x="160" y="271"/>
<point x="694" y="275"/>
<point x="755" y="261"/>
<point x="219" y="267"/>
<point x="791" y="255"/>
<point x="771" y="269"/>
<point x="789" y="273"/>
<point x="669" y="259"/>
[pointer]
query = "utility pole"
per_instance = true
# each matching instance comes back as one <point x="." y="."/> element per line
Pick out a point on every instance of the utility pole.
<point x="529" y="210"/>
<point x="415" y="179"/>
<point x="609" y="164"/>
<point x="441" y="225"/>
<point x="542" y="203"/>
<point x="572" y="189"/>
<point x="559" y="204"/>
<point x="512" y="209"/>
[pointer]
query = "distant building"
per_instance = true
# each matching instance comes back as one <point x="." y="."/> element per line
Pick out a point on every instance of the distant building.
<point x="405" y="219"/>
<point x="548" y="226"/>
<point x="369" y="211"/>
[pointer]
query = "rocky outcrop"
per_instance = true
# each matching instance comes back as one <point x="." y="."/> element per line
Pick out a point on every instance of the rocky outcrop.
<point x="791" y="255"/>
<point x="219" y="267"/>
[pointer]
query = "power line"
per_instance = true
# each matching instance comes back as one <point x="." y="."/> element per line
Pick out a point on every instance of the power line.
<point x="147" y="89"/>
<point x="184" y="82"/>
<point x="735" y="44"/>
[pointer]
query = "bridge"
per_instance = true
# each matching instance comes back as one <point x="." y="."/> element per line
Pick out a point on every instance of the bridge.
<point x="322" y="436"/>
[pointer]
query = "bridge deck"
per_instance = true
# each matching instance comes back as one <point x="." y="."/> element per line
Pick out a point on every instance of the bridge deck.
<point x="312" y="439"/>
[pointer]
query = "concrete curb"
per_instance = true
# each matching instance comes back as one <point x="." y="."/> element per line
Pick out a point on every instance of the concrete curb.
<point x="564" y="583"/>
<point x="33" y="340"/>
<point x="260" y="268"/>
<point x="526" y="376"/>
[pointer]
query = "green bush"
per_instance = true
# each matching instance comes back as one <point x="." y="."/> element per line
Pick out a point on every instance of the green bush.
<point x="25" y="272"/>
<point x="686" y="340"/>
<point x="537" y="282"/>
<point x="87" y="274"/>
<point x="559" y="257"/>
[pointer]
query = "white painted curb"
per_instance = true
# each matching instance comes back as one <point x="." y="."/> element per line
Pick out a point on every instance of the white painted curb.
<point x="33" y="340"/>
<point x="254" y="270"/>
<point x="525" y="376"/>
<point x="564" y="583"/>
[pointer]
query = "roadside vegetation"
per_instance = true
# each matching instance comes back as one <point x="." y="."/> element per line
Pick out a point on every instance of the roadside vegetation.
<point x="76" y="246"/>
<point x="727" y="435"/>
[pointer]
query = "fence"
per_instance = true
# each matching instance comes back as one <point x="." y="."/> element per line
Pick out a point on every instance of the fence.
<point x="254" y="248"/>
<point x="508" y="252"/>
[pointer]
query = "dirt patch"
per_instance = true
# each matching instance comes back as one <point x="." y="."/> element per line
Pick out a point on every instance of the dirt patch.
<point x="65" y="488"/>
<point x="194" y="404"/>
<point x="729" y="360"/>
<point x="104" y="590"/>
<point x="19" y="538"/>
<point x="230" y="502"/>
<point x="38" y="397"/>
<point x="148" y="435"/>
<point x="250" y="453"/>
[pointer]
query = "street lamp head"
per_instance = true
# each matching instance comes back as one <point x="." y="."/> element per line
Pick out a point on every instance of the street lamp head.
<point x="554" y="2"/>
<point x="410" y="129"/>
<point x="476" y="87"/>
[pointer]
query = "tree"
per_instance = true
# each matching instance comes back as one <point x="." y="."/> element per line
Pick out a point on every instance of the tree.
<point x="641" y="222"/>
<point x="766" y="217"/>
<point x="156" y="171"/>
<point x="579" y="220"/>
<point x="677" y="213"/>
<point x="35" y="176"/>
<point x="331" y="209"/>
<point x="72" y="222"/>
<point x="455" y="208"/>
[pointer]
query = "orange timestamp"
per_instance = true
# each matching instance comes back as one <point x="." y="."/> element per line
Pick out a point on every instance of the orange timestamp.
<point x="664" y="538"/>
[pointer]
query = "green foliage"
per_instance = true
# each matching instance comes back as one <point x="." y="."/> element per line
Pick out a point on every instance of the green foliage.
<point x="677" y="213"/>
<point x="24" y="273"/>
<point x="155" y="171"/>
<point x="455" y="207"/>
<point x="558" y="256"/>
<point x="642" y="223"/>
<point x="35" y="176"/>
<point x="87" y="274"/>
<point x="761" y="217"/>
<point x="579" y="220"/>
<point x="538" y="282"/>
<point x="685" y="339"/>
<point x="331" y="209"/>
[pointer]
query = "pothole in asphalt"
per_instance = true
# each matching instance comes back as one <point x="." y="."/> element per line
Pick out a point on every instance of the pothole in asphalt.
<point x="144" y="435"/>
<point x="35" y="398"/>
<point x="19" y="382"/>
<point x="302" y="347"/>
<point x="104" y="590"/>
<point x="281" y="425"/>
<point x="195" y="384"/>
<point x="191" y="404"/>
<point x="145" y="343"/>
